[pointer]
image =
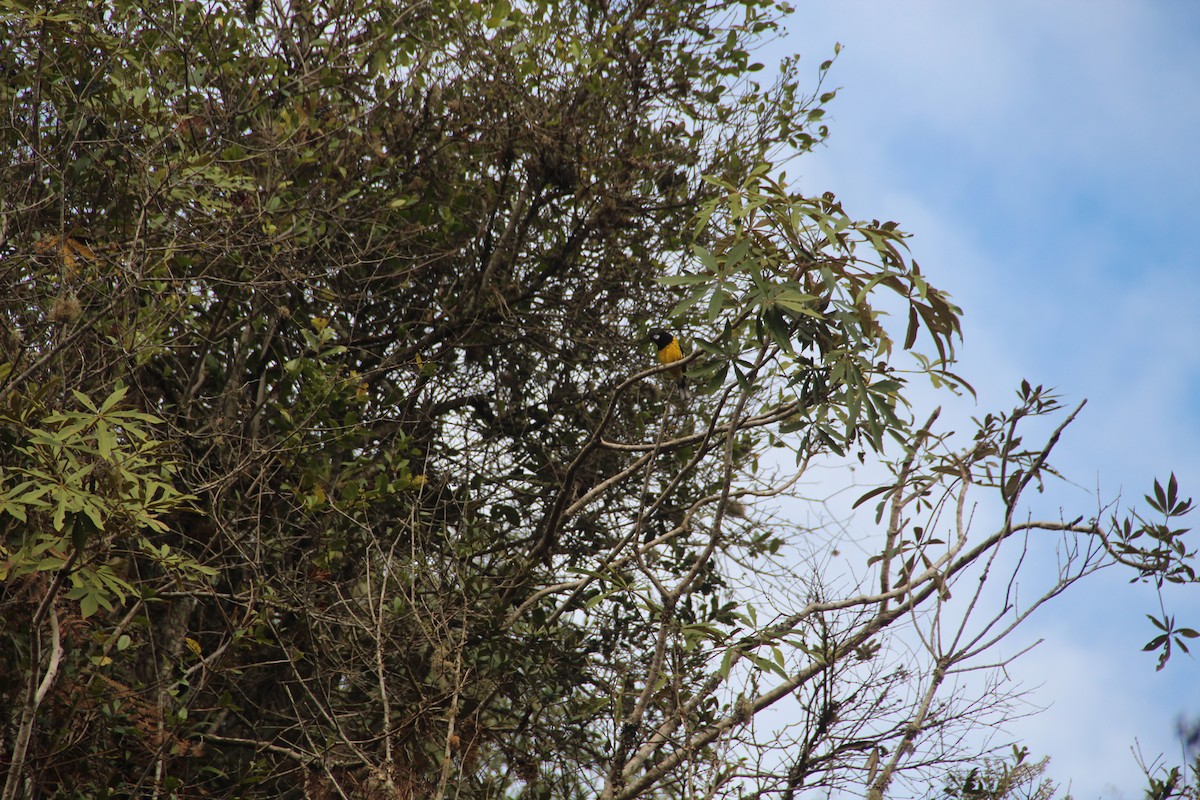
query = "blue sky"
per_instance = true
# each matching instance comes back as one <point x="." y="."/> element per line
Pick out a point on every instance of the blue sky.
<point x="1046" y="158"/>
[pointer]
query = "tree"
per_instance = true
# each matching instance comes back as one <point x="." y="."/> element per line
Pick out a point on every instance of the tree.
<point x="1181" y="782"/>
<point x="336" y="461"/>
<point x="998" y="778"/>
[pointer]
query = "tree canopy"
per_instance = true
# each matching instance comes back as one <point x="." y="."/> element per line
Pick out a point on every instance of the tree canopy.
<point x="336" y="461"/>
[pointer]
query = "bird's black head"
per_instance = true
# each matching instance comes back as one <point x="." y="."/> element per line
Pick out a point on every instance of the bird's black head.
<point x="660" y="337"/>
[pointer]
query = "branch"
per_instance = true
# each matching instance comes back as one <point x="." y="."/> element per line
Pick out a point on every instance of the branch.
<point x="35" y="691"/>
<point x="898" y="503"/>
<point x="911" y="730"/>
<point x="299" y="756"/>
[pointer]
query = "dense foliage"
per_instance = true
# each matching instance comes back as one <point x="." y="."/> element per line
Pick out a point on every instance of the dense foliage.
<point x="335" y="460"/>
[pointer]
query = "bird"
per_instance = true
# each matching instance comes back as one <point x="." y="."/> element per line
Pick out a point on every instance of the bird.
<point x="669" y="352"/>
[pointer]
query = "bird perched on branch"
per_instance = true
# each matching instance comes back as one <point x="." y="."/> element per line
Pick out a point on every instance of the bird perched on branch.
<point x="669" y="352"/>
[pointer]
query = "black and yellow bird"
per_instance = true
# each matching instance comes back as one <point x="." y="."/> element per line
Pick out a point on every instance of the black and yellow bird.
<point x="669" y="352"/>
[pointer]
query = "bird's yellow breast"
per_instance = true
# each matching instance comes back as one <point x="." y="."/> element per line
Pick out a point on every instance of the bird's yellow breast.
<point x="670" y="353"/>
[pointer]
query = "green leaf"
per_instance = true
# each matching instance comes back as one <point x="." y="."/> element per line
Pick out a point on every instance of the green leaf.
<point x="105" y="441"/>
<point x="60" y="511"/>
<point x="117" y="396"/>
<point x="89" y="604"/>
<point x="684" y="280"/>
<point x="706" y="257"/>
<point x="727" y="661"/>
<point x="50" y="564"/>
<point x="878" y="490"/>
<point x="716" y="303"/>
<point x="799" y="302"/>
<point x="84" y="401"/>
